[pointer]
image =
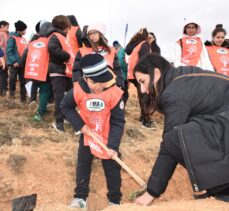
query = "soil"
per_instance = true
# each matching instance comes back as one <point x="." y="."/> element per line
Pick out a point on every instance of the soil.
<point x="36" y="159"/>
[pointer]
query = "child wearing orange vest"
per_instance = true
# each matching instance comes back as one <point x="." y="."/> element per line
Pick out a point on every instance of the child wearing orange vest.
<point x="35" y="61"/>
<point x="190" y="50"/>
<point x="101" y="108"/>
<point x="218" y="50"/>
<point x="16" y="44"/>
<point x="98" y="44"/>
<point x="138" y="47"/>
<point x="61" y="60"/>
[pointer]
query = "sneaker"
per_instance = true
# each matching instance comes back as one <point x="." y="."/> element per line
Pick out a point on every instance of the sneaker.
<point x="59" y="127"/>
<point x="149" y="124"/>
<point x="78" y="203"/>
<point x="37" y="118"/>
<point x="77" y="133"/>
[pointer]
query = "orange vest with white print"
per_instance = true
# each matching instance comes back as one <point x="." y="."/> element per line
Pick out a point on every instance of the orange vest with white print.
<point x="21" y="44"/>
<point x="66" y="47"/>
<point x="95" y="110"/>
<point x="109" y="57"/>
<point x="133" y="60"/>
<point x="219" y="57"/>
<point x="72" y="39"/>
<point x="191" y="50"/>
<point x="37" y="60"/>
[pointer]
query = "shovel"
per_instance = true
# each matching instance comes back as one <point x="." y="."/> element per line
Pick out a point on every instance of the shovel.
<point x="140" y="181"/>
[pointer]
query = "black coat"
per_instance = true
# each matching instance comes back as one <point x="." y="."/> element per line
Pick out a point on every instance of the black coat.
<point x="196" y="132"/>
<point x="57" y="56"/>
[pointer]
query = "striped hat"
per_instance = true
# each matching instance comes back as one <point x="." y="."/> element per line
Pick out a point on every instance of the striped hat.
<point x="95" y="67"/>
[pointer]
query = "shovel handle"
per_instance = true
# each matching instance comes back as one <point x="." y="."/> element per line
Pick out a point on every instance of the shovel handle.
<point x="140" y="181"/>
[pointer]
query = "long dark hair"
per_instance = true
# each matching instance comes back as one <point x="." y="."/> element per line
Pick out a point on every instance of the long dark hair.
<point x="102" y="42"/>
<point x="140" y="36"/>
<point x="147" y="65"/>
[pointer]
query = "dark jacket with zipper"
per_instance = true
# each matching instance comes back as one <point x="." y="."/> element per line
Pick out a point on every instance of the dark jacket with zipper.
<point x="57" y="56"/>
<point x="196" y="131"/>
<point x="117" y="118"/>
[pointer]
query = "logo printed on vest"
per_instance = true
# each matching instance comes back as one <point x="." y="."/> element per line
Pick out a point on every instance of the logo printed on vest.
<point x="39" y="45"/>
<point x="23" y="41"/>
<point x="222" y="51"/>
<point x="191" y="41"/>
<point x="95" y="105"/>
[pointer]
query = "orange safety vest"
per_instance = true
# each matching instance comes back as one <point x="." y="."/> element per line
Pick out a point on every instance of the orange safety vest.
<point x="219" y="57"/>
<point x="95" y="110"/>
<point x="109" y="57"/>
<point x="37" y="60"/>
<point x="66" y="47"/>
<point x="191" y="50"/>
<point x="21" y="44"/>
<point x="133" y="60"/>
<point x="72" y="39"/>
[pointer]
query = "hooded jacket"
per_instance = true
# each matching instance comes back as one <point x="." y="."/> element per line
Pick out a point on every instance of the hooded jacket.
<point x="204" y="61"/>
<point x="12" y="54"/>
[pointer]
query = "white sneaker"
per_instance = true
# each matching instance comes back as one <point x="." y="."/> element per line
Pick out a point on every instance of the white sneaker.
<point x="78" y="203"/>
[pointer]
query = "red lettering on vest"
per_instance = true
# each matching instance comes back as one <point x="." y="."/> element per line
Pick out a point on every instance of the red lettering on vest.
<point x="37" y="60"/>
<point x="219" y="57"/>
<point x="66" y="47"/>
<point x="95" y="110"/>
<point x="133" y="60"/>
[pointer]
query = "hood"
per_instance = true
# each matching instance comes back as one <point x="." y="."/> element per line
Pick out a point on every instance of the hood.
<point x="45" y="28"/>
<point x="188" y="21"/>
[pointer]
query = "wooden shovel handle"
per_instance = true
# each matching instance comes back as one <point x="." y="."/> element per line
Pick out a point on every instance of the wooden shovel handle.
<point x="120" y="162"/>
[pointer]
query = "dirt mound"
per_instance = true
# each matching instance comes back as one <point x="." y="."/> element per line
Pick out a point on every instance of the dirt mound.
<point x="35" y="159"/>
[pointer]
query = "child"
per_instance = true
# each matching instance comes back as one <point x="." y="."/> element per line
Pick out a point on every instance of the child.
<point x="190" y="50"/>
<point x="101" y="108"/>
<point x="218" y="50"/>
<point x="16" y="44"/>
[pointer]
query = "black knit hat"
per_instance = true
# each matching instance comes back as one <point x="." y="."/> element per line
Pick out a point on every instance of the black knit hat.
<point x="20" y="26"/>
<point x="95" y="67"/>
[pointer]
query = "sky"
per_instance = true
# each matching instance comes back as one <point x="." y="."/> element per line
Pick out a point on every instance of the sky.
<point x="163" y="17"/>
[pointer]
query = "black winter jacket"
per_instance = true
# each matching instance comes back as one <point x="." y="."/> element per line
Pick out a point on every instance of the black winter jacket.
<point x="57" y="56"/>
<point x="196" y="131"/>
<point x="117" y="118"/>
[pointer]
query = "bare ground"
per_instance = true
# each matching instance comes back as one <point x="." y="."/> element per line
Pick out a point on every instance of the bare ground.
<point x="35" y="159"/>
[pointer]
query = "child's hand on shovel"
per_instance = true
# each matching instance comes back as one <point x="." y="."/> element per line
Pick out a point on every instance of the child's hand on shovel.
<point x="146" y="199"/>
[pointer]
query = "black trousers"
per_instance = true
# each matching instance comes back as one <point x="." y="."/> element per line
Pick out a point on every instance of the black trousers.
<point x="83" y="172"/>
<point x="59" y="86"/>
<point x="3" y="80"/>
<point x="35" y="85"/>
<point x="14" y="72"/>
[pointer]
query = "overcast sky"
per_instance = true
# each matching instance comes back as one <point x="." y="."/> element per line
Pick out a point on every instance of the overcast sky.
<point x="163" y="17"/>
